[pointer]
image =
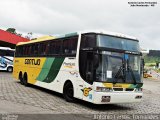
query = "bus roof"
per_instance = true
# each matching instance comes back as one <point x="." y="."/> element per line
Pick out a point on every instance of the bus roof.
<point x="110" y="33"/>
<point x="45" y="38"/>
<point x="100" y="32"/>
<point x="6" y="48"/>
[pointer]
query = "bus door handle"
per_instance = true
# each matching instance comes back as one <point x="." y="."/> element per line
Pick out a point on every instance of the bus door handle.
<point x="71" y="58"/>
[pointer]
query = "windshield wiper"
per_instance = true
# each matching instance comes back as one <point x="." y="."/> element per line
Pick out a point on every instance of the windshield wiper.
<point x="132" y="74"/>
<point x="120" y="72"/>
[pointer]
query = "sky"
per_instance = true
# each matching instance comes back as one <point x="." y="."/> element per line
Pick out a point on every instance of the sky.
<point x="57" y="17"/>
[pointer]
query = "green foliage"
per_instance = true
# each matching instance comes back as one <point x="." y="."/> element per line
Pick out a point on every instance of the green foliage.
<point x="151" y="59"/>
<point x="158" y="70"/>
<point x="11" y="30"/>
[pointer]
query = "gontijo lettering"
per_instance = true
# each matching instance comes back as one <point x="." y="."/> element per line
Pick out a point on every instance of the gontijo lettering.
<point x="32" y="61"/>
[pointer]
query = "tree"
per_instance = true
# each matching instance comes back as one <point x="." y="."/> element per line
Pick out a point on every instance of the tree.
<point x="29" y="35"/>
<point x="11" y="30"/>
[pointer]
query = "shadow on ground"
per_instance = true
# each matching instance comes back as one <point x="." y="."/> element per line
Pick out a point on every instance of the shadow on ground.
<point x="95" y="107"/>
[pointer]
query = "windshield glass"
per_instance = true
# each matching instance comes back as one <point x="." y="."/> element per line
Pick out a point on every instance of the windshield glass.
<point x="117" y="43"/>
<point x="115" y="68"/>
<point x="133" y="65"/>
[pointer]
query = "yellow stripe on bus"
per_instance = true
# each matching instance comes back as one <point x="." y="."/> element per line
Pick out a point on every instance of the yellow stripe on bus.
<point x="117" y="85"/>
<point x="32" y="70"/>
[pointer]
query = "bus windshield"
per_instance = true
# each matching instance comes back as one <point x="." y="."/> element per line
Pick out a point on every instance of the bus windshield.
<point x="117" y="60"/>
<point x="117" y="43"/>
<point x="115" y="68"/>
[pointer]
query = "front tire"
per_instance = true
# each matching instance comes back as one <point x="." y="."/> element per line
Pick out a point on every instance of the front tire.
<point x="68" y="92"/>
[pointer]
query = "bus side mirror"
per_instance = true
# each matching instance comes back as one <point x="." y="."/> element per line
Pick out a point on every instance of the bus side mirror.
<point x="89" y="77"/>
<point x="96" y="60"/>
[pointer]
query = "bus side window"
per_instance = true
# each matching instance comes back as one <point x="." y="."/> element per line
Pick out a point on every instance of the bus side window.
<point x="55" y="47"/>
<point x="32" y="50"/>
<point x="26" y="50"/>
<point x="2" y="53"/>
<point x="51" y="47"/>
<point x="42" y="49"/>
<point x="35" y="49"/>
<point x="86" y="66"/>
<point x="70" y="46"/>
<point x="16" y="51"/>
<point x="29" y="50"/>
<point x="88" y="41"/>
<point x="20" y="50"/>
<point x="8" y="53"/>
<point x="23" y="50"/>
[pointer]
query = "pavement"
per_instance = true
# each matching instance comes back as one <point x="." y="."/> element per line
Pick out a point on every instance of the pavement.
<point x="37" y="103"/>
<point x="155" y="75"/>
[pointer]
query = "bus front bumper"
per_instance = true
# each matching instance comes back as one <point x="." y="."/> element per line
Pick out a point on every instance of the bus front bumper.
<point x="117" y="97"/>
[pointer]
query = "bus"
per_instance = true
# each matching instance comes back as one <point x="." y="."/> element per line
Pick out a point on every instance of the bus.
<point x="94" y="66"/>
<point x="6" y="59"/>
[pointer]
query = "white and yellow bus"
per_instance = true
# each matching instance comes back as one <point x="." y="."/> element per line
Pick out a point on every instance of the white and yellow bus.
<point x="98" y="67"/>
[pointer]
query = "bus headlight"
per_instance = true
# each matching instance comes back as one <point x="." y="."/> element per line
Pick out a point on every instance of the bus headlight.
<point x="138" y="90"/>
<point x="103" y="89"/>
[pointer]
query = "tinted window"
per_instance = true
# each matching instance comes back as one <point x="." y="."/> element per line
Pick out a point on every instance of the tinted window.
<point x="26" y="50"/>
<point x="117" y="43"/>
<point x="20" y="50"/>
<point x="10" y="53"/>
<point x="88" y="41"/>
<point x="34" y="49"/>
<point x="6" y="53"/>
<point x="43" y="49"/>
<point x="67" y="46"/>
<point x="2" y="53"/>
<point x="55" y="47"/>
<point x="70" y="46"/>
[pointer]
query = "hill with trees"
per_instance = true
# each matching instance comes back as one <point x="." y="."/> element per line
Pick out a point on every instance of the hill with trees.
<point x="152" y="57"/>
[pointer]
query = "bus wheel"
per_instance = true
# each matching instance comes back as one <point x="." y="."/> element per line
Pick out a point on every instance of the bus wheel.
<point x="21" y="78"/>
<point x="68" y="92"/>
<point x="25" y="79"/>
<point x="10" y="69"/>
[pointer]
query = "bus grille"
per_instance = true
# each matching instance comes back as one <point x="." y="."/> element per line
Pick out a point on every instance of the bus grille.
<point x="118" y="89"/>
<point x="121" y="89"/>
<point x="129" y="89"/>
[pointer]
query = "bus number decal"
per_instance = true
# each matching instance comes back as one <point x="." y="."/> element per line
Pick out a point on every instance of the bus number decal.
<point x="86" y="91"/>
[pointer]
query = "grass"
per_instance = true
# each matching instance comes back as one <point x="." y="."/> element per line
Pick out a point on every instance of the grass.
<point x="150" y="64"/>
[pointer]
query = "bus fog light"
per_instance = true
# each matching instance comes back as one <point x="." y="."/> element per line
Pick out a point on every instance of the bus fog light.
<point x="106" y="98"/>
